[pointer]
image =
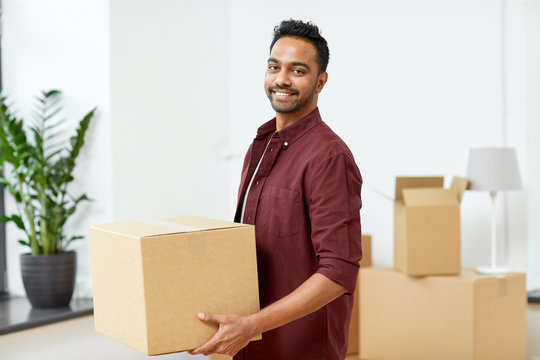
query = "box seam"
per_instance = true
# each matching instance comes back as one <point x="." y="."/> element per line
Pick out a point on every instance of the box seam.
<point x="144" y="298"/>
<point x="190" y="232"/>
<point x="475" y="321"/>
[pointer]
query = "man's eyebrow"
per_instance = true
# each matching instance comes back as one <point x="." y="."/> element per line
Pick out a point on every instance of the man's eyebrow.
<point x="298" y="63"/>
<point x="294" y="63"/>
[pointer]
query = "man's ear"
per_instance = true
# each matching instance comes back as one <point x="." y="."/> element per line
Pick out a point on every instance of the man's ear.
<point x="321" y="80"/>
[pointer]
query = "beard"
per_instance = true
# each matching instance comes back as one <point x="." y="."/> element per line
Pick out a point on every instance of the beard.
<point x="291" y="105"/>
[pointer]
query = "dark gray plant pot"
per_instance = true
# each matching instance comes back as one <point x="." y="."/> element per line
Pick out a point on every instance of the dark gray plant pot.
<point x="49" y="279"/>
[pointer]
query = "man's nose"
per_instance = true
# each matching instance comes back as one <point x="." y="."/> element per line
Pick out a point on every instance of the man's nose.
<point x="282" y="79"/>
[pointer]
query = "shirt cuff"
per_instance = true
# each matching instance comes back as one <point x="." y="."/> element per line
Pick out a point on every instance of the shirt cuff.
<point x="340" y="271"/>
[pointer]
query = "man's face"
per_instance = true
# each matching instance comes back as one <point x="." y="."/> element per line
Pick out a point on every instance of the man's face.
<point x="292" y="82"/>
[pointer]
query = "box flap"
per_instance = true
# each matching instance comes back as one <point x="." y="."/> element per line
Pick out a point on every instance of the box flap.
<point x="459" y="184"/>
<point x="416" y="182"/>
<point x="140" y="229"/>
<point x="430" y="197"/>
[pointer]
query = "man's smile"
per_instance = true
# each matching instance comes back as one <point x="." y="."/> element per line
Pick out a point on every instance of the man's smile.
<point x="283" y="94"/>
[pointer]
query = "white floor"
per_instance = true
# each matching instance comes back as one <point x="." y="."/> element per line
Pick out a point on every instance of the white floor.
<point x="70" y="340"/>
<point x="76" y="339"/>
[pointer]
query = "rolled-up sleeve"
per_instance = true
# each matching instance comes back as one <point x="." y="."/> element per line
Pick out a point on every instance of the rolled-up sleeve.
<point x="334" y="212"/>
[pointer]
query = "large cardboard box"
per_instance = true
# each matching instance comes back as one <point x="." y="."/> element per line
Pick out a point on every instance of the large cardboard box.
<point x="150" y="279"/>
<point x="354" y="335"/>
<point x="427" y="231"/>
<point x="220" y="357"/>
<point x="465" y="317"/>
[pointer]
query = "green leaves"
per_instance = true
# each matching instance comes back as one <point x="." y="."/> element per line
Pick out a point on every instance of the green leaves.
<point x="38" y="161"/>
<point x="15" y="218"/>
<point x="20" y="224"/>
<point x="24" y="242"/>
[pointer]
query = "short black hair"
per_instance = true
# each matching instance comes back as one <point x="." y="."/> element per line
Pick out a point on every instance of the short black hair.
<point x="306" y="31"/>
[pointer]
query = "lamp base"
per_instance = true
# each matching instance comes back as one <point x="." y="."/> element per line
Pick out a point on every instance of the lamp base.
<point x="493" y="270"/>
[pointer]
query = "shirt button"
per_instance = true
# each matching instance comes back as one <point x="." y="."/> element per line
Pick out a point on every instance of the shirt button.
<point x="271" y="149"/>
<point x="257" y="183"/>
<point x="249" y="217"/>
<point x="286" y="143"/>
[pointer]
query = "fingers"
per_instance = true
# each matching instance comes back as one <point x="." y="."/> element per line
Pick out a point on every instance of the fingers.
<point x="206" y="349"/>
<point x="210" y="346"/>
<point x="217" y="319"/>
<point x="229" y="338"/>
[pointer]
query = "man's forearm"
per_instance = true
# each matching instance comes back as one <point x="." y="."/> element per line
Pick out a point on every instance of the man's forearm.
<point x="236" y="331"/>
<point x="314" y="293"/>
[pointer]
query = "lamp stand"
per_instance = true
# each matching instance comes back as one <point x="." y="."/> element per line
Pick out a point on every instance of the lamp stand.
<point x="493" y="268"/>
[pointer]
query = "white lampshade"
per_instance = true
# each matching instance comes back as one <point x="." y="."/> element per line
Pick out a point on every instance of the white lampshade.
<point x="493" y="169"/>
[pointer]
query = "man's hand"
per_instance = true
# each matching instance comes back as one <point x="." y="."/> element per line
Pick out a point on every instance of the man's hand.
<point x="234" y="333"/>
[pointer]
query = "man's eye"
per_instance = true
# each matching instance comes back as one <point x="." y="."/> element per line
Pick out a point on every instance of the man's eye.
<point x="272" y="67"/>
<point x="298" y="71"/>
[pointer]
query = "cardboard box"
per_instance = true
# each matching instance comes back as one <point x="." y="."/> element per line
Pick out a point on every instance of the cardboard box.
<point x="427" y="230"/>
<point x="150" y="279"/>
<point x="366" y="252"/>
<point x="220" y="357"/>
<point x="354" y="336"/>
<point x="465" y="317"/>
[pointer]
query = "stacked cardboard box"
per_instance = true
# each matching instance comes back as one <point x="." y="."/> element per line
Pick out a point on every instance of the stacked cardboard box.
<point x="354" y="329"/>
<point x="465" y="317"/>
<point x="427" y="307"/>
<point x="151" y="278"/>
<point x="427" y="226"/>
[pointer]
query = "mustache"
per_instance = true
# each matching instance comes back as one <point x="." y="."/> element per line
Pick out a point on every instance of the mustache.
<point x="277" y="87"/>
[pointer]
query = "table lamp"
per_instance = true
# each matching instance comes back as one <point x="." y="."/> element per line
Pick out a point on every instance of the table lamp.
<point x="493" y="170"/>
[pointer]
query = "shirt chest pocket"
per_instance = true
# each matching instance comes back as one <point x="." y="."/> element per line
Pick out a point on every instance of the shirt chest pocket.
<point x="280" y="211"/>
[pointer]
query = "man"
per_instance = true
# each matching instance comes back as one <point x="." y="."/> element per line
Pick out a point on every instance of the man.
<point x="301" y="189"/>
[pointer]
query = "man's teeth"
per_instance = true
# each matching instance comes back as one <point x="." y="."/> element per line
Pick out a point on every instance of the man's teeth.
<point x="282" y="94"/>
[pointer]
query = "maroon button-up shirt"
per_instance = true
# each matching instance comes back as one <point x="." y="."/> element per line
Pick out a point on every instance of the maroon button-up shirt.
<point x="305" y="204"/>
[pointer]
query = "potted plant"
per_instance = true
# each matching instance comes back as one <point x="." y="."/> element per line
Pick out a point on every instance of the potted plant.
<point x="36" y="167"/>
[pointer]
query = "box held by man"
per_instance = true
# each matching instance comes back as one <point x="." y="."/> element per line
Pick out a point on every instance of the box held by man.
<point x="151" y="278"/>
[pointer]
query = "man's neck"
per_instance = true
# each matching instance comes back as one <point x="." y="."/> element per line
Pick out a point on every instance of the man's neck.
<point x="286" y="119"/>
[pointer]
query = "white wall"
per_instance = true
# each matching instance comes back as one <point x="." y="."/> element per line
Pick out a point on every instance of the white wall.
<point x="64" y="45"/>
<point x="514" y="249"/>
<point x="156" y="149"/>
<point x="413" y="85"/>
<point x="533" y="136"/>
<point x="169" y="96"/>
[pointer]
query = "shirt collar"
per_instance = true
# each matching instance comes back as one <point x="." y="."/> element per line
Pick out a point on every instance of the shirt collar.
<point x="292" y="132"/>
